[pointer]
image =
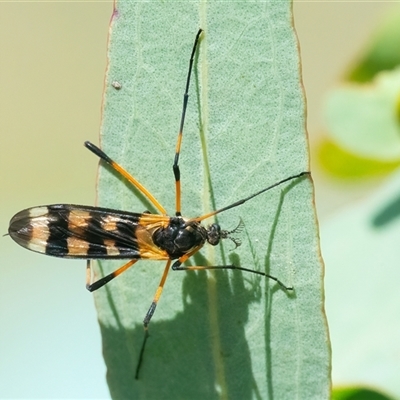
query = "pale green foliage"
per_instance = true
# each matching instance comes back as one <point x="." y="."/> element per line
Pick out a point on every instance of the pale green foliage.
<point x="360" y="247"/>
<point x="364" y="118"/>
<point x="223" y="334"/>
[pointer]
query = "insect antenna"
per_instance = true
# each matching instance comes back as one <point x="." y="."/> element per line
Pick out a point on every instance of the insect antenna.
<point x="227" y="234"/>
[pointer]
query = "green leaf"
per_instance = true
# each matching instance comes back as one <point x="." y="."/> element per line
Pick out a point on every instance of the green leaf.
<point x="346" y="165"/>
<point x="382" y="52"/>
<point x="215" y="334"/>
<point x="364" y="119"/>
<point x="358" y="393"/>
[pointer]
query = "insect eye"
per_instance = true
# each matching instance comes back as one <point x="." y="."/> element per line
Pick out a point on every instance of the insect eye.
<point x="214" y="234"/>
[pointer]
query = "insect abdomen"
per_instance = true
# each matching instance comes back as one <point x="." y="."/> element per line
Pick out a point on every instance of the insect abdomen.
<point x="69" y="231"/>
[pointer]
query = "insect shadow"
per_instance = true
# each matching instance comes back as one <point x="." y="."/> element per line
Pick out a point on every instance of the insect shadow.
<point x="207" y="335"/>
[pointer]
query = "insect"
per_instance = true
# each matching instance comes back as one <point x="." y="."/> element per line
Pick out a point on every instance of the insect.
<point x="95" y="233"/>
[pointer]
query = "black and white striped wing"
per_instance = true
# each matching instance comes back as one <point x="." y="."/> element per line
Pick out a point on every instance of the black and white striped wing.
<point x="73" y="231"/>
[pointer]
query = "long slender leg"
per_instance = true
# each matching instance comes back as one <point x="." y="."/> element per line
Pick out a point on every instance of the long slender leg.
<point x="240" y="202"/>
<point x="175" y="167"/>
<point x="177" y="266"/>
<point x="149" y="315"/>
<point x="94" y="149"/>
<point x="92" y="286"/>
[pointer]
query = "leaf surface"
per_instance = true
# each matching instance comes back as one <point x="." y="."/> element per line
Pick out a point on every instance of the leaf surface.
<point x="219" y="334"/>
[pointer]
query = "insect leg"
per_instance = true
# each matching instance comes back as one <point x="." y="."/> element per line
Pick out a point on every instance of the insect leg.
<point x="177" y="266"/>
<point x="175" y="167"/>
<point x="240" y="202"/>
<point x="149" y="314"/>
<point x="94" y="149"/>
<point x="92" y="286"/>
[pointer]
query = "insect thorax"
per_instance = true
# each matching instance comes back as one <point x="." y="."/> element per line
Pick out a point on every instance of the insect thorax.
<point x="180" y="237"/>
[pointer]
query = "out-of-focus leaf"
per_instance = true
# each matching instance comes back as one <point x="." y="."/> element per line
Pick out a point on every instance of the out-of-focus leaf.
<point x="346" y="165"/>
<point x="364" y="119"/>
<point x="383" y="51"/>
<point x="358" y="393"/>
<point x="361" y="252"/>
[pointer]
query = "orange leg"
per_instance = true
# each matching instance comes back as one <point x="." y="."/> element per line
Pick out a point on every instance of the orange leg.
<point x="91" y="286"/>
<point x="94" y="149"/>
<point x="240" y="202"/>
<point x="149" y="315"/>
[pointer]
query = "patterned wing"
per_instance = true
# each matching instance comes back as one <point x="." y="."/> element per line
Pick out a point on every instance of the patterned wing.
<point x="73" y="231"/>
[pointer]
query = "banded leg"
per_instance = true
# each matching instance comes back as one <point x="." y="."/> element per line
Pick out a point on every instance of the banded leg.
<point x="149" y="315"/>
<point x="240" y="202"/>
<point x="177" y="266"/>
<point x="99" y="153"/>
<point x="175" y="167"/>
<point x="92" y="286"/>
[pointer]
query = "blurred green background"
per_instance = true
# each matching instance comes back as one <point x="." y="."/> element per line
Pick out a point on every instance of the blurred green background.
<point x="53" y="61"/>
